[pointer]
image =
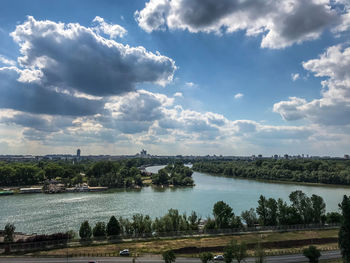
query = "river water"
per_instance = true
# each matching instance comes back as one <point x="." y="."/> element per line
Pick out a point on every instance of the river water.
<point x="43" y="213"/>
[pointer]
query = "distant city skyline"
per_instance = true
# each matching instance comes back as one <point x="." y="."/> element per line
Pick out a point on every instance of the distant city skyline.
<point x="175" y="77"/>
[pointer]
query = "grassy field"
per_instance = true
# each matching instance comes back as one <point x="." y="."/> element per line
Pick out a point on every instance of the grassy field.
<point x="158" y="246"/>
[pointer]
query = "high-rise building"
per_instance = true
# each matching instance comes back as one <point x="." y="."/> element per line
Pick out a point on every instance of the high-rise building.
<point x="78" y="153"/>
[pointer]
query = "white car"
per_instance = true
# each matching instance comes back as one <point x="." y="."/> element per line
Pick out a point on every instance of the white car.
<point x="124" y="252"/>
<point x="219" y="257"/>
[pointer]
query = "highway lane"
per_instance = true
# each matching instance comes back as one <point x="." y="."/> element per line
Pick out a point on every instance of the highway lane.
<point x="156" y="259"/>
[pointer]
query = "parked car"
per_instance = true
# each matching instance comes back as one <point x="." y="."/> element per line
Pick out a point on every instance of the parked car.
<point x="124" y="252"/>
<point x="219" y="257"/>
<point x="92" y="261"/>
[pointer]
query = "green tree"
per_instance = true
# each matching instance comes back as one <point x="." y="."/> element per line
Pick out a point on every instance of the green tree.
<point x="99" y="229"/>
<point x="312" y="253"/>
<point x="113" y="227"/>
<point x="272" y="212"/>
<point x="85" y="231"/>
<point x="228" y="253"/>
<point x="249" y="217"/>
<point x="259" y="254"/>
<point x="194" y="221"/>
<point x="344" y="231"/>
<point x="261" y="210"/>
<point x="9" y="232"/>
<point x="223" y="214"/>
<point x="319" y="208"/>
<point x="333" y="217"/>
<point x="206" y="257"/>
<point x="169" y="256"/>
<point x="239" y="251"/>
<point x="138" y="180"/>
<point x="303" y="205"/>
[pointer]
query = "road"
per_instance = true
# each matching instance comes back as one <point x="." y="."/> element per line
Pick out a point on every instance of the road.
<point x="156" y="259"/>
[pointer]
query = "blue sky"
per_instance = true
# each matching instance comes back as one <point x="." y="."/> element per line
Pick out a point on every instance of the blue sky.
<point x="175" y="77"/>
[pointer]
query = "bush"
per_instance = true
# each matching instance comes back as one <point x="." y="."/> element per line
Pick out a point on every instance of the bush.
<point x="206" y="257"/>
<point x="169" y="256"/>
<point x="312" y="253"/>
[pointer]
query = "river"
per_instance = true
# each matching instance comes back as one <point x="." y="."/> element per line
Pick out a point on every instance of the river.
<point x="43" y="213"/>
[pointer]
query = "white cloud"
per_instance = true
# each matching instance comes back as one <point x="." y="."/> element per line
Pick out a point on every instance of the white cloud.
<point x="6" y="61"/>
<point x="239" y="95"/>
<point x="282" y="23"/>
<point x="295" y="76"/>
<point x="178" y="94"/>
<point x="190" y="84"/>
<point x="109" y="29"/>
<point x="333" y="108"/>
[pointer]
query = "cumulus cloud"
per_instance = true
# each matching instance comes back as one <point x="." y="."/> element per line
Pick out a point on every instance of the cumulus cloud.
<point x="282" y="23"/>
<point x="34" y="98"/>
<point x="239" y="95"/>
<point x="333" y="108"/>
<point x="178" y="94"/>
<point x="71" y="56"/>
<point x="109" y="29"/>
<point x="44" y="123"/>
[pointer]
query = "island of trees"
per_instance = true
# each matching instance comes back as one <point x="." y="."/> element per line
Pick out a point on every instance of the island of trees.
<point x="297" y="170"/>
<point x="112" y="174"/>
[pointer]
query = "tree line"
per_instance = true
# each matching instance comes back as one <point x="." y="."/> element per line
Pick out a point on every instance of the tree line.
<point x="296" y="170"/>
<point x="269" y="212"/>
<point x="141" y="225"/>
<point x="113" y="174"/>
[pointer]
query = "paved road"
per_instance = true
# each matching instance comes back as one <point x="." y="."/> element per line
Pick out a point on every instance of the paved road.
<point x="155" y="259"/>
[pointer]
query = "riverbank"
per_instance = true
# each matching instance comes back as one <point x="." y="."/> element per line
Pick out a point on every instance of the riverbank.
<point x="273" y="181"/>
<point x="274" y="243"/>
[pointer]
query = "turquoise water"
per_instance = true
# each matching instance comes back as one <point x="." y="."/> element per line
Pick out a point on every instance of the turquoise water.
<point x="42" y="213"/>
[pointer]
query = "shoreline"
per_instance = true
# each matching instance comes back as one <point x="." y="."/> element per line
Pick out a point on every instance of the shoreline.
<point x="277" y="181"/>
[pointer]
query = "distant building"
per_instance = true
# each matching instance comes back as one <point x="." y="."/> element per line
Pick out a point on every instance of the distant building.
<point x="275" y="157"/>
<point x="78" y="153"/>
<point x="260" y="156"/>
<point x="143" y="153"/>
<point x="346" y="156"/>
<point x="286" y="156"/>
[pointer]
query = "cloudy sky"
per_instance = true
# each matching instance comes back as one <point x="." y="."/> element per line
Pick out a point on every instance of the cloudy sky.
<point x="231" y="77"/>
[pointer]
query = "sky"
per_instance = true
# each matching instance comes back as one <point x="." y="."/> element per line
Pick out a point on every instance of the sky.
<point x="191" y="77"/>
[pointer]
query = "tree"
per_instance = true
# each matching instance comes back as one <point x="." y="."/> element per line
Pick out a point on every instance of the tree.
<point x="249" y="217"/>
<point x="194" y="221"/>
<point x="85" y="231"/>
<point x="344" y="231"/>
<point x="319" y="208"/>
<point x="303" y="205"/>
<point x="222" y="213"/>
<point x="169" y="256"/>
<point x="206" y="257"/>
<point x="99" y="229"/>
<point x="113" y="227"/>
<point x="239" y="251"/>
<point x="228" y="254"/>
<point x="261" y="210"/>
<point x="259" y="254"/>
<point x="312" y="253"/>
<point x="333" y="217"/>
<point x="9" y="232"/>
<point x="271" y="206"/>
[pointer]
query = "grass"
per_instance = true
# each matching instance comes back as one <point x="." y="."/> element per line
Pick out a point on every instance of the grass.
<point x="158" y="246"/>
